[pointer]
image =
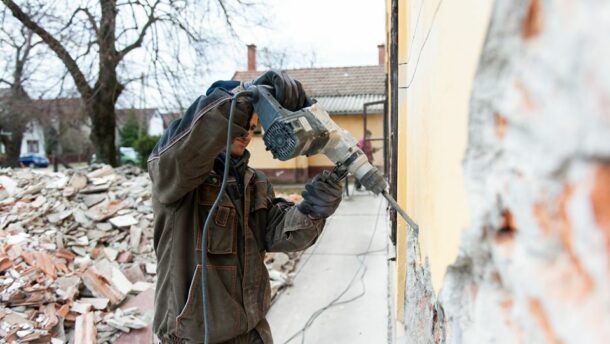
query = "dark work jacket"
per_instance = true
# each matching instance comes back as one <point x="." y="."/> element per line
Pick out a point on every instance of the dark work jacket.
<point x="185" y="184"/>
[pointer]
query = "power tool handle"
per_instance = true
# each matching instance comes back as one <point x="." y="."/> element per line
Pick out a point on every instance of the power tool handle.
<point x="265" y="105"/>
<point x="336" y="175"/>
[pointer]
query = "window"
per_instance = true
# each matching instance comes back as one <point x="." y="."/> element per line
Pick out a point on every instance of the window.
<point x="32" y="146"/>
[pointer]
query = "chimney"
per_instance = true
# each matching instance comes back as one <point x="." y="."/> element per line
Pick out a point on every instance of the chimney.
<point x="381" y="48"/>
<point x="251" y="57"/>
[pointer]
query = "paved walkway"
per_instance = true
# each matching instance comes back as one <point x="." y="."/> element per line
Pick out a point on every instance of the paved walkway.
<point x="347" y="268"/>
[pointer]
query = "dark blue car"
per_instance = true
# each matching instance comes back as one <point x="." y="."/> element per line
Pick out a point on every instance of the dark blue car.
<point x="33" y="160"/>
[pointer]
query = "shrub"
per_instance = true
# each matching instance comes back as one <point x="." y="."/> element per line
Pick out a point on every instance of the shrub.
<point x="144" y="146"/>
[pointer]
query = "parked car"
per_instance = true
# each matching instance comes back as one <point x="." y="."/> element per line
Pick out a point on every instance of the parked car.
<point x="34" y="160"/>
<point x="127" y="156"/>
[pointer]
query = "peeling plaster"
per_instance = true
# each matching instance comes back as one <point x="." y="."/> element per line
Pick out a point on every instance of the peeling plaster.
<point x="425" y="319"/>
<point x="534" y="266"/>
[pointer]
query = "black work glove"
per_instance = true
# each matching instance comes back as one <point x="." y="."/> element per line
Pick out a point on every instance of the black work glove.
<point x="286" y="90"/>
<point x="321" y="197"/>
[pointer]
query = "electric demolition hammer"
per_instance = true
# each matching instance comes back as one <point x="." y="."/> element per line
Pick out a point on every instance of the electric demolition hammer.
<point x="311" y="131"/>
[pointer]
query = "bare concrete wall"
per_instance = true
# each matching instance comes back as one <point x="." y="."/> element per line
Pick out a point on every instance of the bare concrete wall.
<point x="534" y="266"/>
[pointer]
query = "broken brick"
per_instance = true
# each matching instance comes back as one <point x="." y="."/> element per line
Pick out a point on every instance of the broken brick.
<point x="5" y="263"/>
<point x="65" y="254"/>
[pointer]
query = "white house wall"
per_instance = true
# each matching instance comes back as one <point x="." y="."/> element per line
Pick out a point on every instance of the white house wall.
<point x="34" y="133"/>
<point x="155" y="125"/>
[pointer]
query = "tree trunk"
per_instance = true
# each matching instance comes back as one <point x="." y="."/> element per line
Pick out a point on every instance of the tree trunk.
<point x="102" y="113"/>
<point x="107" y="88"/>
<point x="13" y="149"/>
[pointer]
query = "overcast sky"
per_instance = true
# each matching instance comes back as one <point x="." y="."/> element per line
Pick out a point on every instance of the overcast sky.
<point x="341" y="32"/>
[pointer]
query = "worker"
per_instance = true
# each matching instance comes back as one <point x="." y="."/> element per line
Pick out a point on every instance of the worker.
<point x="186" y="168"/>
<point x="367" y="148"/>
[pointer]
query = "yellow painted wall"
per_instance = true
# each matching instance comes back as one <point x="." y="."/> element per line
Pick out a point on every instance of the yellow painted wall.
<point x="353" y="123"/>
<point x="438" y="50"/>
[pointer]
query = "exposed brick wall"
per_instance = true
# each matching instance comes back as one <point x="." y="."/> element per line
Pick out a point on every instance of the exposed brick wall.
<point x="534" y="266"/>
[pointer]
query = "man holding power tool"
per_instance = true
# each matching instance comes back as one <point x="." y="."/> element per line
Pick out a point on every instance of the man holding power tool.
<point x="186" y="168"/>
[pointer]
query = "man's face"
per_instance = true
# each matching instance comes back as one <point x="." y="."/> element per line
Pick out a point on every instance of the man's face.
<point x="238" y="147"/>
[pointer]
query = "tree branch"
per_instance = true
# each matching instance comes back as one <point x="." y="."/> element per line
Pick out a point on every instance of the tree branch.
<point x="91" y="19"/>
<point x="10" y="84"/>
<point x="227" y="16"/>
<point x="79" y="78"/>
<point x="138" y="42"/>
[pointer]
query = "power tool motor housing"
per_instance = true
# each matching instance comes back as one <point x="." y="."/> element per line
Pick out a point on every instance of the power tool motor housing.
<point x="311" y="131"/>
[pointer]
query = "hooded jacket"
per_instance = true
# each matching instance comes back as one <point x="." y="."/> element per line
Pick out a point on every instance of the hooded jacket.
<point x="186" y="169"/>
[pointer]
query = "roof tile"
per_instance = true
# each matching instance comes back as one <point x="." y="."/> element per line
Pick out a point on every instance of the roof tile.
<point x="334" y="81"/>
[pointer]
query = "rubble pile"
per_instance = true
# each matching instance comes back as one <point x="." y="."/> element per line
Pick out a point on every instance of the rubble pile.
<point x="74" y="247"/>
<point x="281" y="267"/>
<point x="293" y="197"/>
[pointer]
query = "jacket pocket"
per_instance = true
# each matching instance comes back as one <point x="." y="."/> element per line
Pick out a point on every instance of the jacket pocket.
<point x="226" y="319"/>
<point x="209" y="189"/>
<point x="222" y="232"/>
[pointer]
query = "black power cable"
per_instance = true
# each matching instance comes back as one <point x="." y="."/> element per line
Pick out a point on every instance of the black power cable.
<point x="206" y="225"/>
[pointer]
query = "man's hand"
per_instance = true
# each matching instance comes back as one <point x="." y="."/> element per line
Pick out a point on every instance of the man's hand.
<point x="243" y="108"/>
<point x="321" y="197"/>
<point x="286" y="90"/>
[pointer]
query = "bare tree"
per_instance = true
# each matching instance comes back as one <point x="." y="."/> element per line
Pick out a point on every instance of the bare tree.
<point x="16" y="111"/>
<point x="93" y="43"/>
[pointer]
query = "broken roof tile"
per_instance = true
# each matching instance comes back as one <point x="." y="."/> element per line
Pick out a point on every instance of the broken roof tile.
<point x="104" y="210"/>
<point x="85" y="331"/>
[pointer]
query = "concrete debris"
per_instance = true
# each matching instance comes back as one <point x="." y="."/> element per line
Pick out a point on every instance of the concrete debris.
<point x="280" y="266"/>
<point x="91" y="200"/>
<point x="80" y="307"/>
<point x="104" y="210"/>
<point x="8" y="187"/>
<point x="123" y="221"/>
<point x="97" y="303"/>
<point x="141" y="286"/>
<point x="86" y="332"/>
<point x="101" y="282"/>
<point x="151" y="268"/>
<point x="74" y="247"/>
